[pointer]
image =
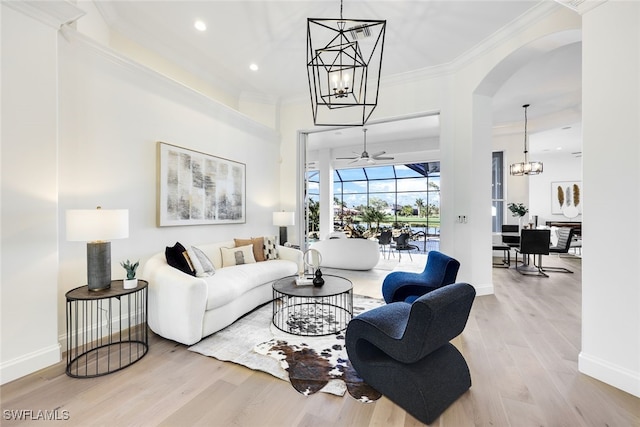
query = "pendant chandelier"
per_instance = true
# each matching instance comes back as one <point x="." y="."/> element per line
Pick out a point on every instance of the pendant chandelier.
<point x="526" y="167"/>
<point x="344" y="60"/>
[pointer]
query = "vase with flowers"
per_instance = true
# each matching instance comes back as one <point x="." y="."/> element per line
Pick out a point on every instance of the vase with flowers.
<point x="518" y="210"/>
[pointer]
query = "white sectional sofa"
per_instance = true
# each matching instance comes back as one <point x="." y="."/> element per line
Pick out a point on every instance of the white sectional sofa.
<point x="185" y="308"/>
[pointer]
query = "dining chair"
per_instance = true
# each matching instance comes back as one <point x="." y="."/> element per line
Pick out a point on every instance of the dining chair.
<point x="565" y="237"/>
<point x="510" y="236"/>
<point x="533" y="242"/>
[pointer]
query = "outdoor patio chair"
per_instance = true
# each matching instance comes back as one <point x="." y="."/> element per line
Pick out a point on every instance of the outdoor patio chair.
<point x="402" y="244"/>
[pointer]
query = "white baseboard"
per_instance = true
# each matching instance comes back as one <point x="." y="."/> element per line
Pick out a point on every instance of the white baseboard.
<point x="616" y="376"/>
<point x="93" y="330"/>
<point x="486" y="289"/>
<point x="29" y="363"/>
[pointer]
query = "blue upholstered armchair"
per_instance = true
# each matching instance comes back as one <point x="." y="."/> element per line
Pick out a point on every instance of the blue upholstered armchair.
<point x="403" y="350"/>
<point x="405" y="286"/>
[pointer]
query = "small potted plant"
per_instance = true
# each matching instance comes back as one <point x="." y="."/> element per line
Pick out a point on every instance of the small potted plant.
<point x="130" y="282"/>
<point x="519" y="210"/>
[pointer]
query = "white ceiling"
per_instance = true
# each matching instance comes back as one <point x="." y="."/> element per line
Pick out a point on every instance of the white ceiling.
<point x="421" y="35"/>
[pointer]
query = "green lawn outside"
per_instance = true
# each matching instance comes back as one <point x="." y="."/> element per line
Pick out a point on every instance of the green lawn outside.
<point x="414" y="220"/>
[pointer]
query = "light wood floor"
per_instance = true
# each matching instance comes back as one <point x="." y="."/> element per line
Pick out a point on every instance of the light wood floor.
<point x="521" y="345"/>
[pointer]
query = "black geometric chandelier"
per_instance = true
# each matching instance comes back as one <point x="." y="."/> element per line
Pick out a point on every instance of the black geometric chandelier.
<point x="344" y="60"/>
<point x="526" y="167"/>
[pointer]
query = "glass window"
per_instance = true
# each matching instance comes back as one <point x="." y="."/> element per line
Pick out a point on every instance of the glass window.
<point x="404" y="171"/>
<point x="497" y="191"/>
<point x="354" y="187"/>
<point x="412" y="184"/>
<point x="414" y="187"/>
<point x="380" y="172"/>
<point x="382" y="186"/>
<point x="356" y="174"/>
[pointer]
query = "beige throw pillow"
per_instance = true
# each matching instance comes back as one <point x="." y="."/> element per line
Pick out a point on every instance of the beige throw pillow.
<point x="257" y="242"/>
<point x="237" y="256"/>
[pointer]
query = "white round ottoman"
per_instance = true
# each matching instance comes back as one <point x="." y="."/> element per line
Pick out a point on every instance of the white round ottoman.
<point x="348" y="254"/>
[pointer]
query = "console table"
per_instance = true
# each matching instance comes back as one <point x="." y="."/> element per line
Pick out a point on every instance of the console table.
<point x="106" y="329"/>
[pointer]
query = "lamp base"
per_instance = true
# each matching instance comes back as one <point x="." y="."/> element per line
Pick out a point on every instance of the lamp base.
<point x="283" y="235"/>
<point x="98" y="265"/>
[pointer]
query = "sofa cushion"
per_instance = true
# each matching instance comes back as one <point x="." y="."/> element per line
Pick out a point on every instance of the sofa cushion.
<point x="270" y="248"/>
<point x="257" y="244"/>
<point x="201" y="263"/>
<point x="231" y="283"/>
<point x="237" y="256"/>
<point x="177" y="257"/>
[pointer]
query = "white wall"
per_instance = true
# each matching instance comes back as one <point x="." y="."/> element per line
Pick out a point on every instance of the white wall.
<point x="611" y="254"/>
<point x="29" y="214"/>
<point x="80" y="129"/>
<point x="516" y="187"/>
<point x="112" y="113"/>
<point x="558" y="167"/>
<point x="535" y="191"/>
<point x="462" y="96"/>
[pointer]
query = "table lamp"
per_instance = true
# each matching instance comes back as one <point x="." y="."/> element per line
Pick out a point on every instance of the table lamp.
<point x="283" y="219"/>
<point x="96" y="227"/>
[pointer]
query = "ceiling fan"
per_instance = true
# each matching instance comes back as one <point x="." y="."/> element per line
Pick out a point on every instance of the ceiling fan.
<point x="365" y="156"/>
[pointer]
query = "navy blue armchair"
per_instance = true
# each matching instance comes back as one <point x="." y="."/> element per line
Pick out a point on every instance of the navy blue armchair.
<point x="403" y="350"/>
<point x="404" y="286"/>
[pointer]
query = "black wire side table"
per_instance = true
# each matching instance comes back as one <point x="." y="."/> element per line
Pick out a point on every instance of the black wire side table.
<point x="311" y="310"/>
<point x="106" y="330"/>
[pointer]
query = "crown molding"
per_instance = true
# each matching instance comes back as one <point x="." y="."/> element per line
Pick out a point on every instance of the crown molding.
<point x="178" y="90"/>
<point x="258" y="98"/>
<point x="581" y="6"/>
<point x="54" y="13"/>
<point x="536" y="14"/>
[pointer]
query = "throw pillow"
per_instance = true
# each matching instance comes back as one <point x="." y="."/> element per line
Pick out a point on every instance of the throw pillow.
<point x="270" y="248"/>
<point x="257" y="242"/>
<point x="237" y="256"/>
<point x="177" y="257"/>
<point x="201" y="263"/>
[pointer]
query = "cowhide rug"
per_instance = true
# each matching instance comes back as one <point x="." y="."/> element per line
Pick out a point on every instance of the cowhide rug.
<point x="310" y="364"/>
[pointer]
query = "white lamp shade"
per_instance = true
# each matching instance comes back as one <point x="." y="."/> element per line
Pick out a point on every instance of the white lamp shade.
<point x="91" y="225"/>
<point x="283" y="219"/>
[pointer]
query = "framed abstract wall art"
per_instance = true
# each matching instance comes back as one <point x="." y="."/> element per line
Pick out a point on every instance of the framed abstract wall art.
<point x="196" y="188"/>
<point x="566" y="198"/>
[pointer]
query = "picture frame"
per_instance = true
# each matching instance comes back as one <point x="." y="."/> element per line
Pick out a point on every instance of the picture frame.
<point x="566" y="198"/>
<point x="196" y="188"/>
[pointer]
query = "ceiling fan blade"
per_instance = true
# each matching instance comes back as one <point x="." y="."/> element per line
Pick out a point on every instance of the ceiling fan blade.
<point x="347" y="158"/>
<point x="379" y="156"/>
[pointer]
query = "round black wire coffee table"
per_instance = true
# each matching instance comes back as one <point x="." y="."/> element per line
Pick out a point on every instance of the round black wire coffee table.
<point x="312" y="311"/>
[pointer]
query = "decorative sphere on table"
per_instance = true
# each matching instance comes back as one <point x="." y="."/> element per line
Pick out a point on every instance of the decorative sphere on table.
<point x="318" y="280"/>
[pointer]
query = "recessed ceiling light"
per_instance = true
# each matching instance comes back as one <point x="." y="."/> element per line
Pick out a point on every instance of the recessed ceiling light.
<point x="253" y="67"/>
<point x="200" y="25"/>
